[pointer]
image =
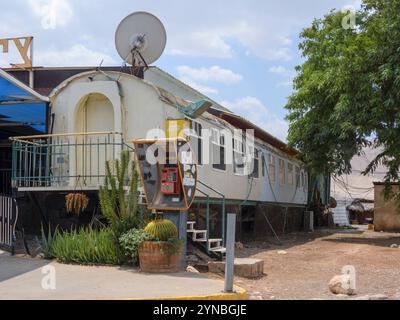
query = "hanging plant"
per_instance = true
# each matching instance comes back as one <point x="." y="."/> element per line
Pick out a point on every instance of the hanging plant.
<point x="76" y="203"/>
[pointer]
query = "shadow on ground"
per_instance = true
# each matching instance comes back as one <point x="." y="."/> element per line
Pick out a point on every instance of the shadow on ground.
<point x="11" y="267"/>
<point x="288" y="241"/>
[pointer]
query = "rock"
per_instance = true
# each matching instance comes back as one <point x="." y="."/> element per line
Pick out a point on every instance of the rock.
<point x="282" y="252"/>
<point x="191" y="269"/>
<point x="239" y="246"/>
<point x="341" y="285"/>
<point x="245" y="268"/>
<point x="394" y="246"/>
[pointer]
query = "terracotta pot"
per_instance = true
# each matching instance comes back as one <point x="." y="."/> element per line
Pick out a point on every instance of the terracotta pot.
<point x="153" y="259"/>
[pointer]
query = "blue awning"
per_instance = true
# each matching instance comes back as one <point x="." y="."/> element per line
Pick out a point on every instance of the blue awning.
<point x="22" y="110"/>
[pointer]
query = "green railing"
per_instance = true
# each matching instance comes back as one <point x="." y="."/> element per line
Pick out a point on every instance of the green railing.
<point x="64" y="160"/>
<point x="223" y="205"/>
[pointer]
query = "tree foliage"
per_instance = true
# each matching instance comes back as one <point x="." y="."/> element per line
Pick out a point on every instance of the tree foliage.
<point x="347" y="92"/>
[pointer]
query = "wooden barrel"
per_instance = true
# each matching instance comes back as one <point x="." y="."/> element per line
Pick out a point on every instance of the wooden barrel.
<point x="152" y="258"/>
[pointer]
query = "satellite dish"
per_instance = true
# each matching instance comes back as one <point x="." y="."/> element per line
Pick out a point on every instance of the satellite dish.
<point x="140" y="39"/>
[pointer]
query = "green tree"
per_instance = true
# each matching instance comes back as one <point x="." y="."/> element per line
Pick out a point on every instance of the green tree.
<point x="347" y="92"/>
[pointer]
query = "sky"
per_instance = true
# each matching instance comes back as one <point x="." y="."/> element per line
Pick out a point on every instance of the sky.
<point x="240" y="53"/>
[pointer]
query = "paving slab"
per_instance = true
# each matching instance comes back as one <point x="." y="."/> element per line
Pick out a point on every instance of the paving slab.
<point x="23" y="278"/>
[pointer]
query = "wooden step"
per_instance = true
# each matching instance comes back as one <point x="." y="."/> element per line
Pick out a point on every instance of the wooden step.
<point x="214" y="243"/>
<point x="200" y="232"/>
<point x="221" y="250"/>
<point x="190" y="226"/>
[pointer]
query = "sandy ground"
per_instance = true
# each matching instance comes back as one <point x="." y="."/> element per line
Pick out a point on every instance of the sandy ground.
<point x="312" y="259"/>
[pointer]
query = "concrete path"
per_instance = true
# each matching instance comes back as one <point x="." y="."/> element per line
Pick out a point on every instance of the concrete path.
<point x="23" y="279"/>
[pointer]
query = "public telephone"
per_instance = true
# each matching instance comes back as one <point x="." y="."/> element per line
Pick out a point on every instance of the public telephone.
<point x="170" y="181"/>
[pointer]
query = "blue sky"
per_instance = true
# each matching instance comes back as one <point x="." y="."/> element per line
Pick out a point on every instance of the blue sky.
<point x="240" y="53"/>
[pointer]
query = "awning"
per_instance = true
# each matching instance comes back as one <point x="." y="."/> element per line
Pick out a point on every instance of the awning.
<point x="22" y="110"/>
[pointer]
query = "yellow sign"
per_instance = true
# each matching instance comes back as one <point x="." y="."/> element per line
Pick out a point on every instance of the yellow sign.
<point x="175" y="128"/>
<point x="24" y="47"/>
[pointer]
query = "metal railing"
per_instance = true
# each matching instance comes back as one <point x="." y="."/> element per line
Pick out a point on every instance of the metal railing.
<point x="64" y="160"/>
<point x="208" y="208"/>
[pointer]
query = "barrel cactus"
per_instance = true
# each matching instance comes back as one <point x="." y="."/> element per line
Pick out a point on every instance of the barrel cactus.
<point x="163" y="230"/>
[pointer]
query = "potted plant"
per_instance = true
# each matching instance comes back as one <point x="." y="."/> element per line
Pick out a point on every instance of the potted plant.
<point x="76" y="203"/>
<point x="161" y="255"/>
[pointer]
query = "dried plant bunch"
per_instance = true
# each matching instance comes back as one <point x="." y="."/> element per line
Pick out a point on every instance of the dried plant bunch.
<point x="76" y="203"/>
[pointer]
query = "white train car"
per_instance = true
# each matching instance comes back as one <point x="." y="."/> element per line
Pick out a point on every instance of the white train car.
<point x="95" y="115"/>
<point x="100" y="102"/>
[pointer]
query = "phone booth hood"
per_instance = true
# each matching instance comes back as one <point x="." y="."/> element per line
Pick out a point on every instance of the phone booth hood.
<point x="168" y="172"/>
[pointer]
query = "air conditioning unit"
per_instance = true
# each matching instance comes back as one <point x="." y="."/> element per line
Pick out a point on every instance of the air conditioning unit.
<point x="309" y="221"/>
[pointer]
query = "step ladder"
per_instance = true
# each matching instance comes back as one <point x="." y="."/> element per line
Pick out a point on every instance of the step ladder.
<point x="201" y="236"/>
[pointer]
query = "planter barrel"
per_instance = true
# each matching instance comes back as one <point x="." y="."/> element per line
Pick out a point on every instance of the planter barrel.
<point x="153" y="260"/>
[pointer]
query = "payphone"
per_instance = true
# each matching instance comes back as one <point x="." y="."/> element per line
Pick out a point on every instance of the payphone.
<point x="170" y="182"/>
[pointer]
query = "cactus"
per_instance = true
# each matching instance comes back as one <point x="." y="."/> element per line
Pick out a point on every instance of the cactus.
<point x="163" y="230"/>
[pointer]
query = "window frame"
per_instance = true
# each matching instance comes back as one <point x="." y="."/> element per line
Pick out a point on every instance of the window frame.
<point x="272" y="165"/>
<point x="218" y="140"/>
<point x="282" y="171"/>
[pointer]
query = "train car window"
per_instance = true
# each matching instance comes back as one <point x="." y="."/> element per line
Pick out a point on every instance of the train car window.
<point x="197" y="144"/>
<point x="297" y="177"/>
<point x="290" y="174"/>
<point x="305" y="181"/>
<point x="272" y="168"/>
<point x="218" y="147"/>
<point x="256" y="164"/>
<point x="263" y="164"/>
<point x="238" y="156"/>
<point x="282" y="172"/>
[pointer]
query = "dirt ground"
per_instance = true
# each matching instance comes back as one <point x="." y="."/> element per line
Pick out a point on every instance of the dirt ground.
<point x="312" y="259"/>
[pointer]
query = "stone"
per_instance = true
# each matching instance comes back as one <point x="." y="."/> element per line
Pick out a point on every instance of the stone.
<point x="239" y="246"/>
<point x="341" y="285"/>
<point x="282" y="252"/>
<point x="245" y="268"/>
<point x="394" y="246"/>
<point x="191" y="269"/>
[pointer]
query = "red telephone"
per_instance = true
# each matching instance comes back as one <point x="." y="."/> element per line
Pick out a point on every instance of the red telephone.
<point x="170" y="183"/>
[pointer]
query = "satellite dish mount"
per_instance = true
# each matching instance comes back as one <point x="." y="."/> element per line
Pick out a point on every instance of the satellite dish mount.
<point x="140" y="40"/>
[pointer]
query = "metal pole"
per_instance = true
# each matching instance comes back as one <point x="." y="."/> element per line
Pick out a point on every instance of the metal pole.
<point x="183" y="220"/>
<point x="230" y="252"/>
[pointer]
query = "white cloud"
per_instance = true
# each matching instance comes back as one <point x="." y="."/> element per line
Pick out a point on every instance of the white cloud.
<point x="286" y="74"/>
<point x="53" y="13"/>
<point x="214" y="42"/>
<point x="204" y="89"/>
<point x="200" y="44"/>
<point x="214" y="74"/>
<point x="255" y="111"/>
<point x="77" y="56"/>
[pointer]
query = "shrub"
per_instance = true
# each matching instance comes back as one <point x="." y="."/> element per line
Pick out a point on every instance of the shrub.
<point x="47" y="244"/>
<point x="86" y="246"/>
<point x="130" y="241"/>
